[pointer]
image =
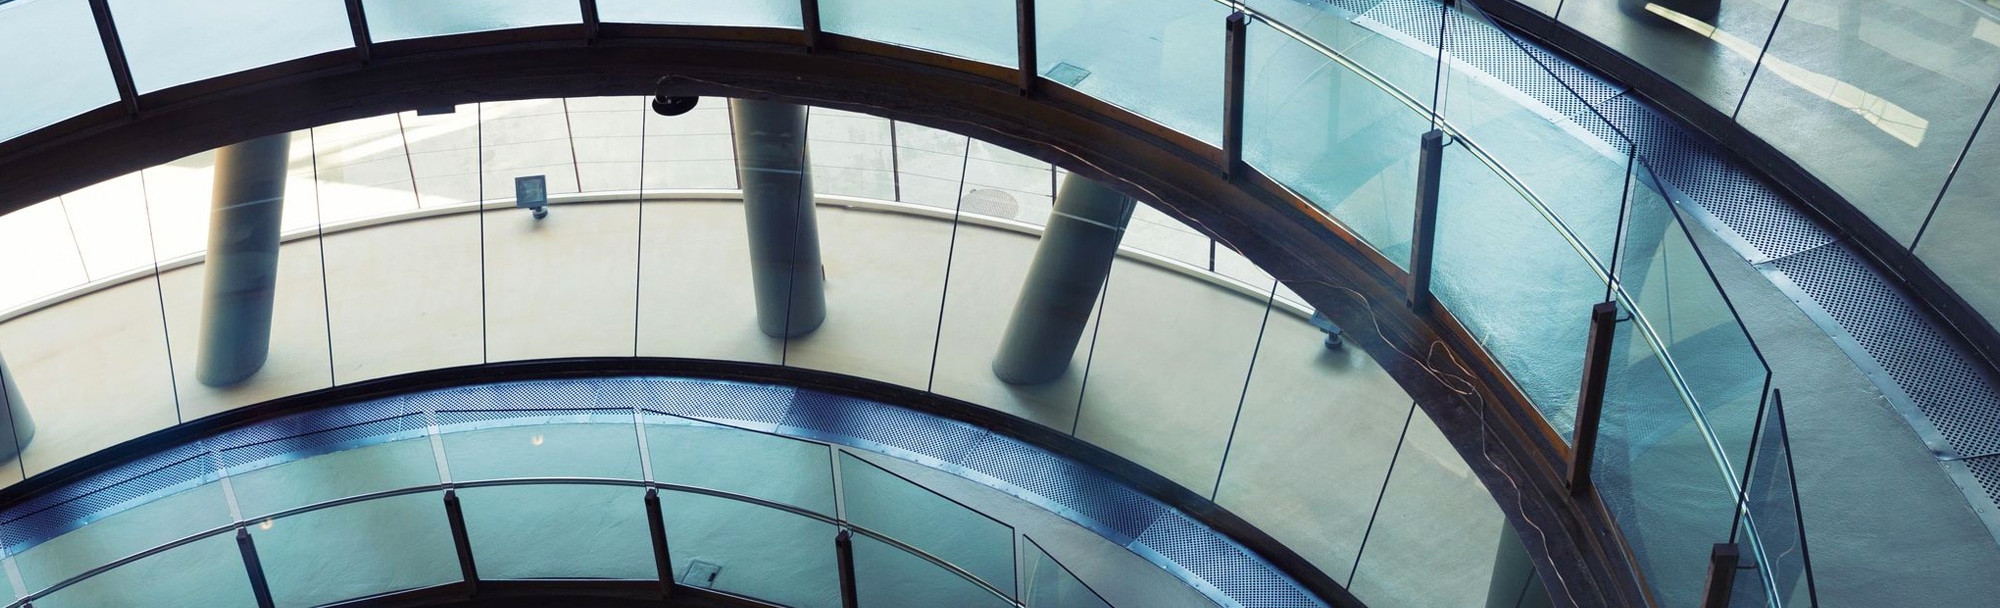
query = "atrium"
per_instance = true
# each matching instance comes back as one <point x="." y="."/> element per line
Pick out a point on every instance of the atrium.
<point x="999" y="303"/>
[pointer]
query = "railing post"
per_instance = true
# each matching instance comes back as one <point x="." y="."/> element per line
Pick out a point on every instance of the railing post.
<point x="590" y="20"/>
<point x="1237" y="38"/>
<point x="259" y="586"/>
<point x="809" y="21"/>
<point x="663" y="560"/>
<point x="1590" y="397"/>
<point x="455" y="516"/>
<point x="1721" y="575"/>
<point x="357" y="24"/>
<point x="1423" y="230"/>
<point x="1024" y="32"/>
<point x="843" y="547"/>
<point x="114" y="51"/>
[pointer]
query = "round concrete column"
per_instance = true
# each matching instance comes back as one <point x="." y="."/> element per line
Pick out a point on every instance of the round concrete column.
<point x="242" y="267"/>
<point x="1070" y="267"/>
<point x="23" y="427"/>
<point x="778" y="206"/>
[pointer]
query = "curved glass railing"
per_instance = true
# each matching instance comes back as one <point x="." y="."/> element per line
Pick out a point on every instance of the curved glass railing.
<point x="486" y="496"/>
<point x="1543" y="213"/>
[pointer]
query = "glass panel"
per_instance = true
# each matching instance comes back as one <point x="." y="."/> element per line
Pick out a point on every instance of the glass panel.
<point x="888" y="504"/>
<point x="54" y="45"/>
<point x="567" y="275"/>
<point x="357" y="550"/>
<point x="1004" y="184"/>
<point x="1313" y="441"/>
<point x="1875" y="98"/>
<point x="607" y="138"/>
<point x="931" y="165"/>
<point x="389" y="316"/>
<point x="1432" y="540"/>
<point x="780" y="13"/>
<point x="989" y="265"/>
<point x="1957" y="243"/>
<point x="851" y="154"/>
<point x="1159" y="58"/>
<point x="770" y="467"/>
<point x="141" y="527"/>
<point x="207" y="572"/>
<point x="122" y="317"/>
<point x="883" y="323"/>
<point x="399" y="20"/>
<point x="208" y="376"/>
<point x="1167" y="369"/>
<point x="753" y="551"/>
<point x="1657" y="475"/>
<point x="322" y="477"/>
<point x="1332" y="137"/>
<point x="1665" y="272"/>
<point x="1772" y="503"/>
<point x="981" y="30"/>
<point x="888" y="577"/>
<point x="559" y="531"/>
<point x="1153" y="231"/>
<point x="1568" y="157"/>
<point x="1529" y="307"/>
<point x="171" y="42"/>
<point x="1049" y="584"/>
<point x="554" y="445"/>
<point x="696" y="298"/>
<point x="1708" y="47"/>
<point x="39" y="232"/>
<point x="1370" y="39"/>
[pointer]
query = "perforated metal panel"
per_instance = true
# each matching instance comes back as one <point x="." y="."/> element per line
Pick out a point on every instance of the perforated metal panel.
<point x="1222" y="563"/>
<point x="50" y="514"/>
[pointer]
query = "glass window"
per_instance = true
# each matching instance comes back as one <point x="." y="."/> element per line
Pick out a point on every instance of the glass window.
<point x="1159" y="58"/>
<point x="981" y="30"/>
<point x="173" y="42"/>
<point x="402" y="19"/>
<point x="51" y="47"/>
<point x="780" y="13"/>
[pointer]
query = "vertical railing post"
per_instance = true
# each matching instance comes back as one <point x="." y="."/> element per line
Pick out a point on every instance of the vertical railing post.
<point x="260" y="587"/>
<point x="1237" y="38"/>
<point x="1590" y="397"/>
<point x="455" y="516"/>
<point x="843" y="547"/>
<point x="114" y="51"/>
<point x="1423" y="229"/>
<point x="357" y="24"/>
<point x="1024" y="32"/>
<point x="809" y="21"/>
<point x="591" y="22"/>
<point x="1722" y="562"/>
<point x="663" y="559"/>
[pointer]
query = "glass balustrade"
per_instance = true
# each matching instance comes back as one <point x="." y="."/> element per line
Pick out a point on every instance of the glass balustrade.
<point x="402" y="253"/>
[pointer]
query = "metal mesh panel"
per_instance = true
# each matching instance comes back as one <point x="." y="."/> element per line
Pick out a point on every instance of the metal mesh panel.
<point x="1088" y="493"/>
<point x="892" y="426"/>
<point x="1223" y="564"/>
<point x="318" y="431"/>
<point x="1945" y="385"/>
<point x="701" y="399"/>
<point x="50" y="514"/>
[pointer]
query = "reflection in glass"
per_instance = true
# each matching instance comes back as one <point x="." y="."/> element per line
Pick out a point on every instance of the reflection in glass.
<point x="981" y="30"/>
<point x="1159" y="58"/>
<point x="889" y="504"/>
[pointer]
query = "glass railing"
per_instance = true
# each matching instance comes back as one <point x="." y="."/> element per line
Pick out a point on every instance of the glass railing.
<point x="1543" y="212"/>
<point x="501" y="493"/>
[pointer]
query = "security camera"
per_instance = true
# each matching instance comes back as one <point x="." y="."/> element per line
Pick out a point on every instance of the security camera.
<point x="666" y="105"/>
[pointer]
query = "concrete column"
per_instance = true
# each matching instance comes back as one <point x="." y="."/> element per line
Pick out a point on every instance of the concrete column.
<point x="1515" y="582"/>
<point x="1071" y="264"/>
<point x="242" y="267"/>
<point x="17" y="415"/>
<point x="778" y="204"/>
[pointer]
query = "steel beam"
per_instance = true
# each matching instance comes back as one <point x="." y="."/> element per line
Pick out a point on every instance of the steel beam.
<point x="1070" y="267"/>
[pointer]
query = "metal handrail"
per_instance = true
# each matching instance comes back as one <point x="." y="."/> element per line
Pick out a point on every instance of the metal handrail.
<point x="510" y="482"/>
